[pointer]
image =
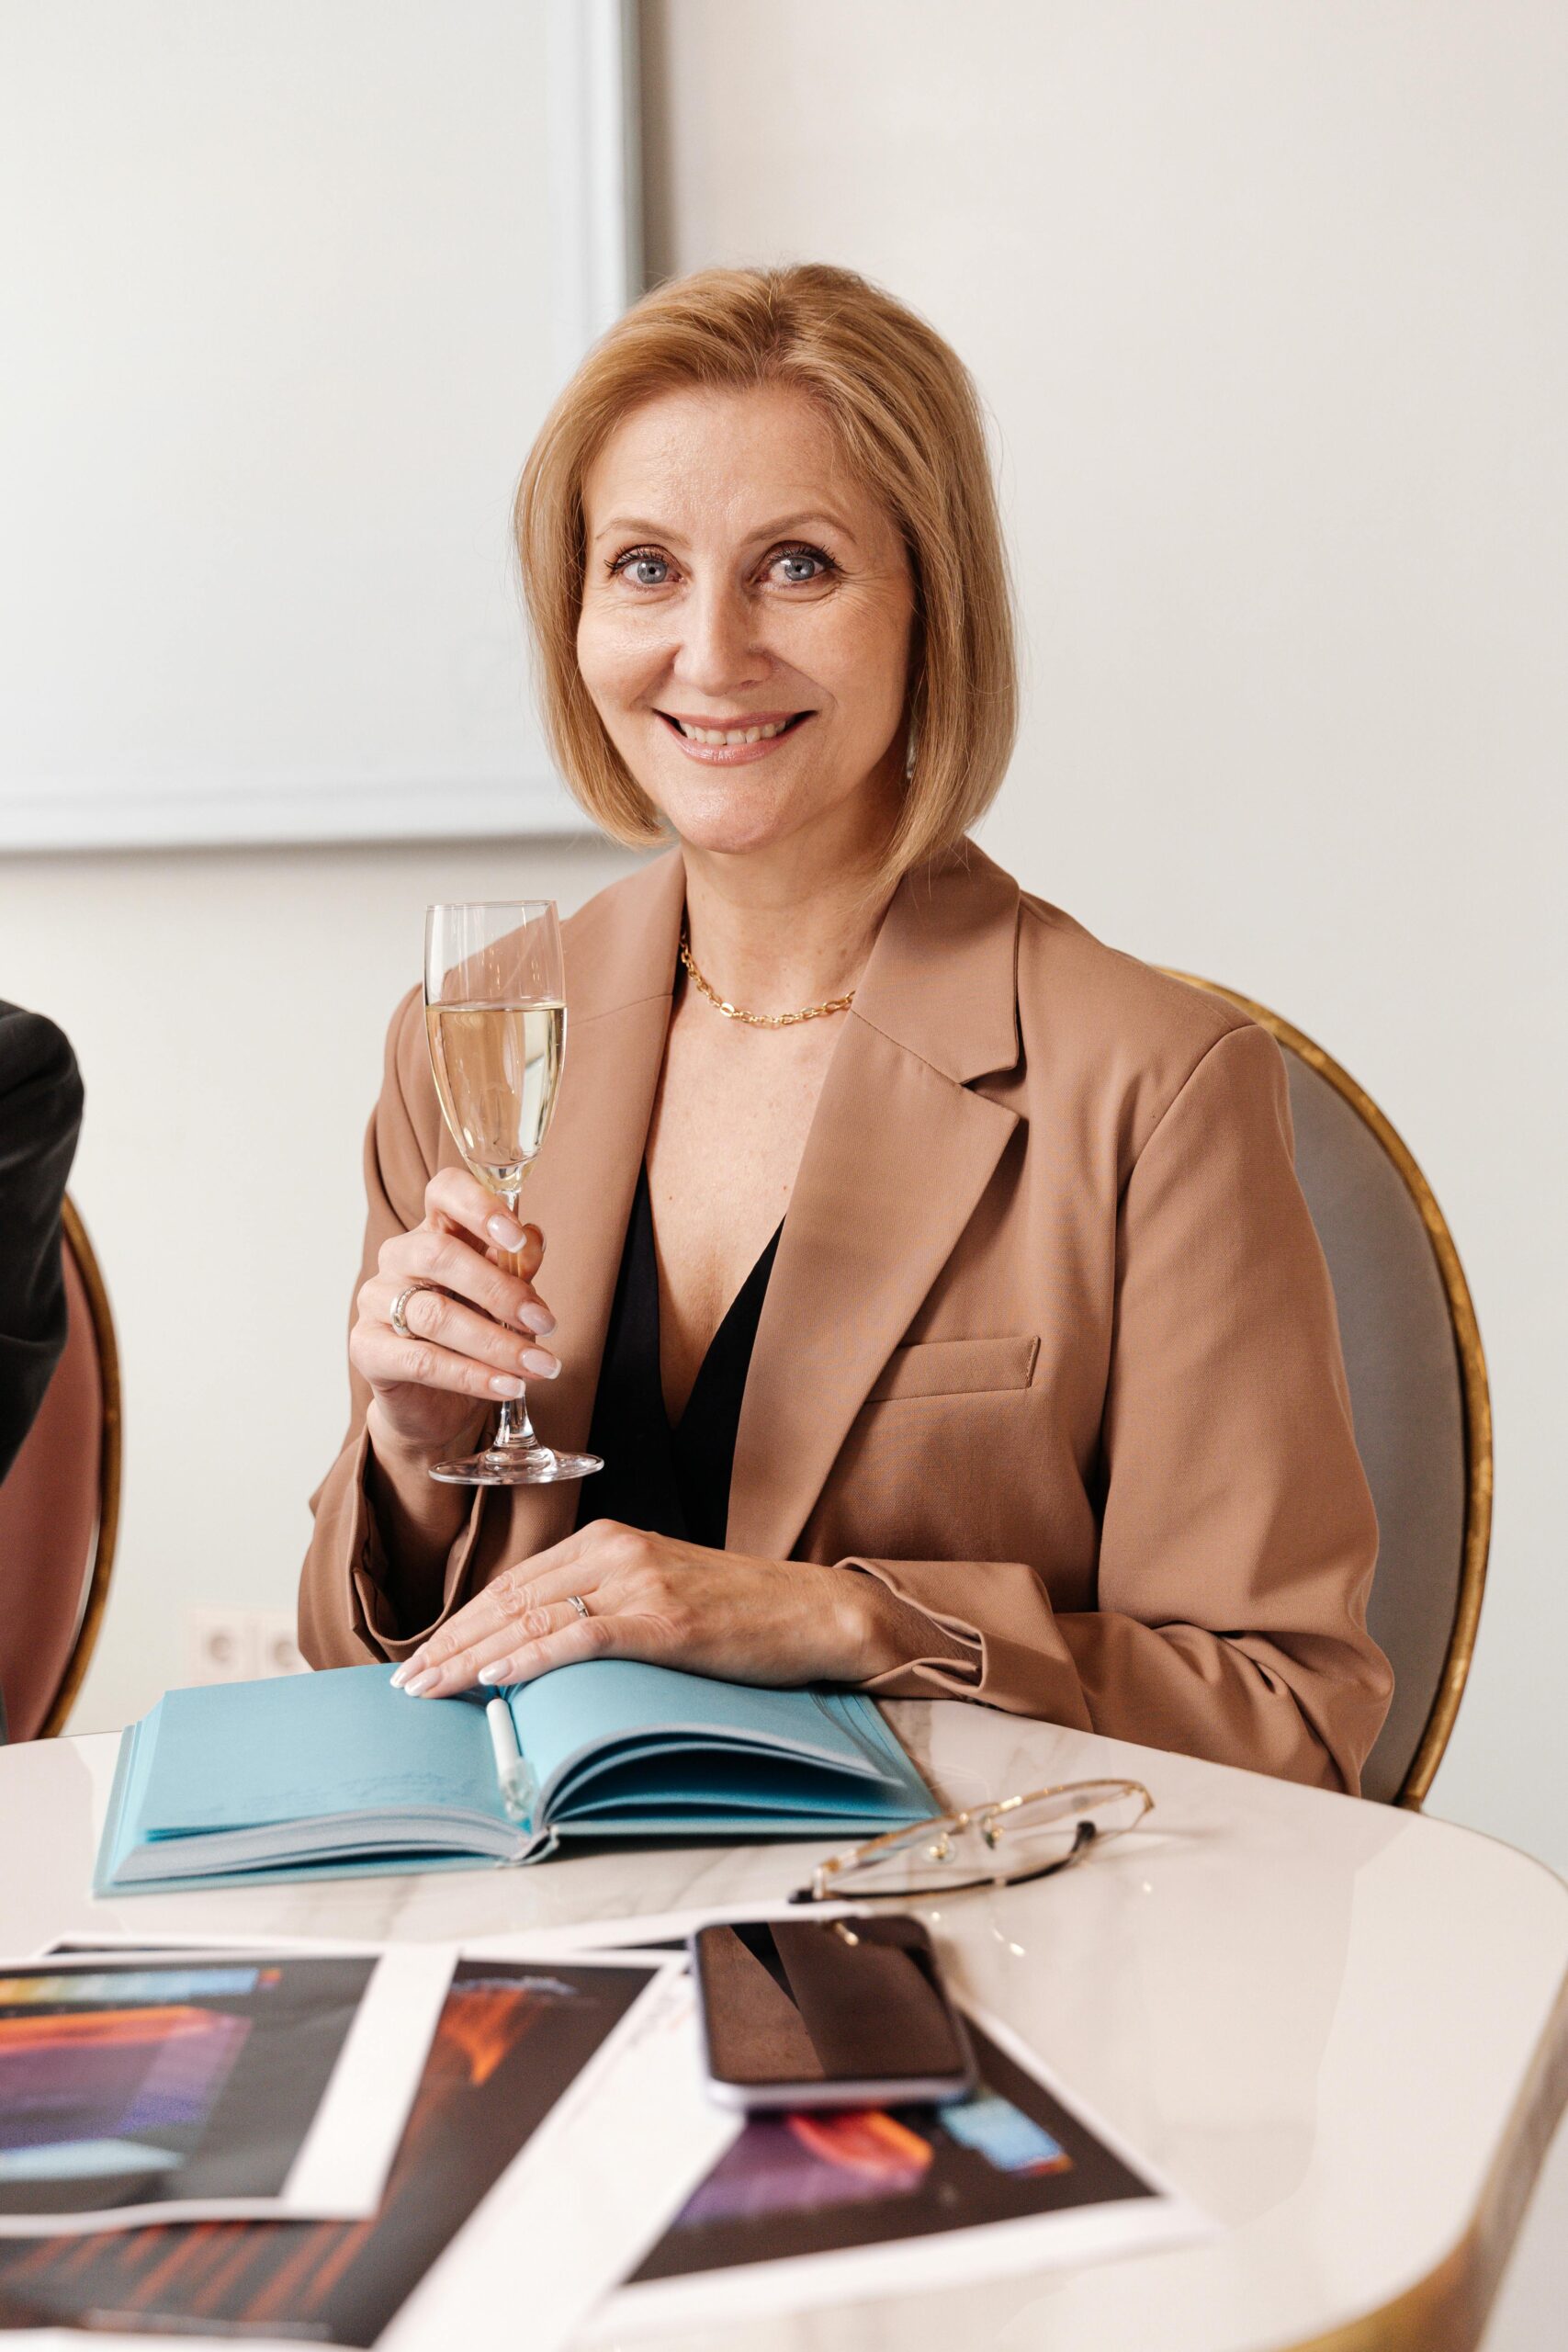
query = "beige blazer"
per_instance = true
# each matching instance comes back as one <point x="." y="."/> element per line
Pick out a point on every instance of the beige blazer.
<point x="1049" y="1344"/>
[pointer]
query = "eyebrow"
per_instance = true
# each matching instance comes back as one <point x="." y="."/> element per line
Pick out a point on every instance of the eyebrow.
<point x="636" y="527"/>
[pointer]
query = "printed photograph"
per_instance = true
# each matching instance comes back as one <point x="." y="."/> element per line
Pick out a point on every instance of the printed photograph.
<point x="510" y="2040"/>
<point x="802" y="2183"/>
<point x="123" y="2083"/>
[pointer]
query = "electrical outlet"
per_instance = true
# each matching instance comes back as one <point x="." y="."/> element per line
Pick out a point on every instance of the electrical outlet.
<point x="240" y="1645"/>
<point x="218" y="1645"/>
<point x="276" y="1651"/>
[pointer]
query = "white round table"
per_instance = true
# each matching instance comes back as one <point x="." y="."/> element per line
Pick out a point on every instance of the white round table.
<point x="1340" y="2029"/>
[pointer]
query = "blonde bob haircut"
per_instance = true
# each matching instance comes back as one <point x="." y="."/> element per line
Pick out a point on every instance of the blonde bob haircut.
<point x="908" y="421"/>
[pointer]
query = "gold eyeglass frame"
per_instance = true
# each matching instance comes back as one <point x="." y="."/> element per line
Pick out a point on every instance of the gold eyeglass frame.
<point x="991" y="1824"/>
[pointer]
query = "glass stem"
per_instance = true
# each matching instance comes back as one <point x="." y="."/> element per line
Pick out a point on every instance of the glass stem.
<point x="515" y="1428"/>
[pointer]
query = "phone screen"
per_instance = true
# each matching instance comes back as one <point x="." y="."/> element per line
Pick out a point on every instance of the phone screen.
<point x="826" y="2001"/>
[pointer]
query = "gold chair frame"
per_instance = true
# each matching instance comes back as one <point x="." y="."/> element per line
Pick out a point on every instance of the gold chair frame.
<point x="90" y="1621"/>
<point x="1475" y="1391"/>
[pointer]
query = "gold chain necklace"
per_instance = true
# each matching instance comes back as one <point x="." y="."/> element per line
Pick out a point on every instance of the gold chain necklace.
<point x="759" y="1020"/>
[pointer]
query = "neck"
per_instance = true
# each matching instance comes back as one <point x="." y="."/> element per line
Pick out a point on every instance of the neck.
<point x="777" y="929"/>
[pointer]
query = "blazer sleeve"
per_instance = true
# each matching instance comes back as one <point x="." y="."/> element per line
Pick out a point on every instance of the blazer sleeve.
<point x="40" y="1116"/>
<point x="1237" y="1534"/>
<point x="345" y="1618"/>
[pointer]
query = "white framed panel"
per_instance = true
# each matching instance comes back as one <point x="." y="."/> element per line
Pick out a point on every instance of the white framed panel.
<point x="289" y="290"/>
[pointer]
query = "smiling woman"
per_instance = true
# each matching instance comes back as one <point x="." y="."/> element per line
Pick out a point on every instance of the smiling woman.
<point x="933" y="1281"/>
<point x="713" y="640"/>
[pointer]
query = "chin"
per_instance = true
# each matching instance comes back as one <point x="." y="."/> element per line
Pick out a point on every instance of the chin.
<point x="729" y="823"/>
<point x="720" y="839"/>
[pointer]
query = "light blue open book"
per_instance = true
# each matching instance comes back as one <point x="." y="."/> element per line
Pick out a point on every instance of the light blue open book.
<point x="320" y="1775"/>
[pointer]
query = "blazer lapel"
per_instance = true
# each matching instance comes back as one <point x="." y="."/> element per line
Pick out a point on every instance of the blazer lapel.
<point x="898" y="1155"/>
<point x="620" y="964"/>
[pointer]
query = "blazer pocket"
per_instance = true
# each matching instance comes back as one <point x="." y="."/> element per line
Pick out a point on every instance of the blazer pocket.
<point x="955" y="1368"/>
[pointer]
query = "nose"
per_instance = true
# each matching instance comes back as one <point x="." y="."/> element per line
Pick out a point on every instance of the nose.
<point x="719" y="650"/>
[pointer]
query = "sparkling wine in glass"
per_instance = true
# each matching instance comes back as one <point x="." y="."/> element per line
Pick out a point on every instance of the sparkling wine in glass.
<point x="495" y="1019"/>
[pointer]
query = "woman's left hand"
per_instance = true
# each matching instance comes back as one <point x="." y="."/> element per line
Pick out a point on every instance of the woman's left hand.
<point x="647" y="1597"/>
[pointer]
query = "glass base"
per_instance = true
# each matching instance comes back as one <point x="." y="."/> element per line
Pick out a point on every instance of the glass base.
<point x="516" y="1465"/>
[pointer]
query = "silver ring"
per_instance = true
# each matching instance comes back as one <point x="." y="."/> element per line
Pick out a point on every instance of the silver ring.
<point x="579" y="1603"/>
<point x="398" y="1320"/>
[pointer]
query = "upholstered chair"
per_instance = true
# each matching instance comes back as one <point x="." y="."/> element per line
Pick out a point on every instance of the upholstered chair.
<point x="1418" y="1393"/>
<point x="59" y="1510"/>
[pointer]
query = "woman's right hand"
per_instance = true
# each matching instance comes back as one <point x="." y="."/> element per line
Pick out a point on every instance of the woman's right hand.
<point x="475" y="1337"/>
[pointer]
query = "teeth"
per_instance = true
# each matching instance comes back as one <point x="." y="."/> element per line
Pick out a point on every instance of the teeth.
<point x="717" y="736"/>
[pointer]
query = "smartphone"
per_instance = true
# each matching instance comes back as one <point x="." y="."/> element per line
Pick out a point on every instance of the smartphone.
<point x="827" y="2013"/>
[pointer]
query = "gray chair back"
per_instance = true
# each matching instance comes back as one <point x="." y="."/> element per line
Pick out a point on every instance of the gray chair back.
<point x="1418" y="1394"/>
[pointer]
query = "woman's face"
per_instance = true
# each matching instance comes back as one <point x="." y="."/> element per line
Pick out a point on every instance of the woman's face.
<point x="739" y="579"/>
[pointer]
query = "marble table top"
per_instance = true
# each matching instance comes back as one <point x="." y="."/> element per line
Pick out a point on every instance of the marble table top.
<point x="1340" y="2028"/>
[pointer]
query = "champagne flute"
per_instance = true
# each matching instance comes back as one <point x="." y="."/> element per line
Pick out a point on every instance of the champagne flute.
<point x="495" y="1020"/>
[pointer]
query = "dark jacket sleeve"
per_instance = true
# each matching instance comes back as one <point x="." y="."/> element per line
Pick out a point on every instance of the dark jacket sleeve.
<point x="40" y="1115"/>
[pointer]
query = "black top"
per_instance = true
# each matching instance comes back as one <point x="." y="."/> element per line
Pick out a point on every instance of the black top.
<point x="671" y="1481"/>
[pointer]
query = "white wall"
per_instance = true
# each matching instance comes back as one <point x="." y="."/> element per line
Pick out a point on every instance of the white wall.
<point x="1267" y="301"/>
<point x="260" y="376"/>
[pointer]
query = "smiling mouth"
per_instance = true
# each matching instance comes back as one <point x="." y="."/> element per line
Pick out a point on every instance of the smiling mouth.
<point x="720" y="736"/>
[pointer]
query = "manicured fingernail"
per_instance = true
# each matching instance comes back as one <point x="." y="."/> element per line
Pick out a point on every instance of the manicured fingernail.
<point x="542" y="1365"/>
<point x="537" y="1318"/>
<point x="401" y="1675"/>
<point x="419" y="1683"/>
<point x="505" y="1232"/>
<point x="504" y="1385"/>
<point x="491" y="1674"/>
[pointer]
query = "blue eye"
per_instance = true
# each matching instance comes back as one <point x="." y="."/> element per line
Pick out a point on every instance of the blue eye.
<point x="802" y="565"/>
<point x="648" y="571"/>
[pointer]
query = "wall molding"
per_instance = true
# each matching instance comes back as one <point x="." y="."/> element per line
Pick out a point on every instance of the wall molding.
<point x="275" y="811"/>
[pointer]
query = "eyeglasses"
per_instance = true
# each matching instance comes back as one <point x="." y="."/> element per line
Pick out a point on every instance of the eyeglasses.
<point x="991" y="1845"/>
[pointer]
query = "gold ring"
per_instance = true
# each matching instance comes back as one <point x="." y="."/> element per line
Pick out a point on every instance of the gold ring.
<point x="398" y="1319"/>
<point x="579" y="1603"/>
